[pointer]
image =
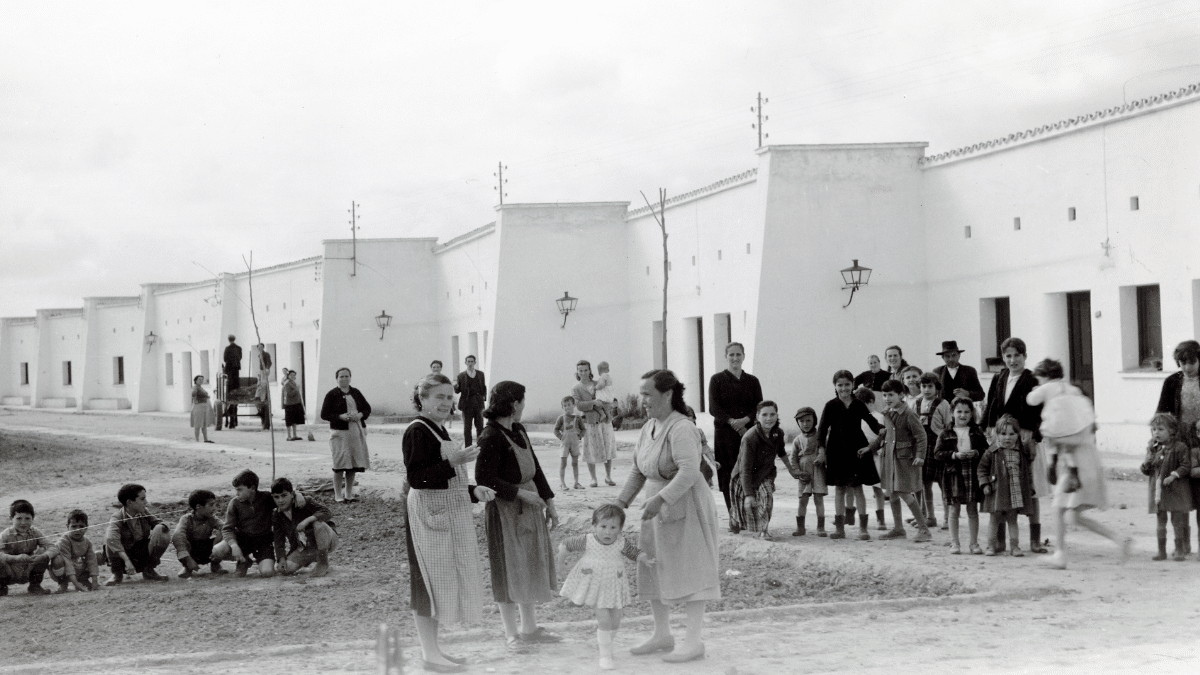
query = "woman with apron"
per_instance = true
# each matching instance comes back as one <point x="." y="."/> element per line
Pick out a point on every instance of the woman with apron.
<point x="202" y="412"/>
<point x="445" y="577"/>
<point x="519" y="548"/>
<point x="346" y="410"/>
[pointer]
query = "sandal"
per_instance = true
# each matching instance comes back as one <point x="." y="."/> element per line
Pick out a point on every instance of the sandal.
<point x="609" y="481"/>
<point x="578" y="485"/>
<point x="563" y="487"/>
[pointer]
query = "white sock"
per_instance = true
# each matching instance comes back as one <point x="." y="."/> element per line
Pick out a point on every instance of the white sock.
<point x="605" y="638"/>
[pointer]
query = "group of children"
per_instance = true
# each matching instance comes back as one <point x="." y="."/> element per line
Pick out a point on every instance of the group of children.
<point x="259" y="529"/>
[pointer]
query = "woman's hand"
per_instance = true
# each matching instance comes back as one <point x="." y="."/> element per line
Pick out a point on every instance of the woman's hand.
<point x="460" y="456"/>
<point x="345" y="417"/>
<point x="863" y="451"/>
<point x="484" y="494"/>
<point x="918" y="462"/>
<point x="987" y="489"/>
<point x="1168" y="480"/>
<point x="652" y="507"/>
<point x="551" y="514"/>
<point x="531" y="498"/>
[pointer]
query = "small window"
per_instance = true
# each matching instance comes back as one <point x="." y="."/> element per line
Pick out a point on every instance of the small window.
<point x="24" y="372"/>
<point x="285" y="305"/>
<point x="485" y="285"/>
<point x="747" y="248"/>
<point x="267" y="308"/>
<point x="460" y="292"/>
<point x="967" y="232"/>
<point x="1149" y="327"/>
<point x="647" y="270"/>
<point x="66" y="373"/>
<point x="693" y="261"/>
<point x="1133" y="204"/>
<point x="169" y="368"/>
<point x="1016" y="223"/>
<point x="118" y="370"/>
<point x="1071" y="213"/>
<point x="472" y="290"/>
<point x="718" y="254"/>
<point x="301" y="303"/>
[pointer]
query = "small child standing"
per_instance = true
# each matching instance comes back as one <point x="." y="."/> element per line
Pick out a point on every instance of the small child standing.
<point x="135" y="540"/>
<point x="1006" y="476"/>
<point x="934" y="413"/>
<point x="25" y="553"/>
<point x="1168" y="463"/>
<point x="76" y="563"/>
<point x="903" y="447"/>
<point x="605" y="392"/>
<point x="196" y="533"/>
<point x="867" y="396"/>
<point x="808" y="461"/>
<point x="569" y="429"/>
<point x="959" y="449"/>
<point x="598" y="580"/>
<point x="752" y="482"/>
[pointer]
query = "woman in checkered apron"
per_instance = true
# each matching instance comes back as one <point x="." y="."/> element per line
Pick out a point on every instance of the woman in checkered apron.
<point x="443" y="557"/>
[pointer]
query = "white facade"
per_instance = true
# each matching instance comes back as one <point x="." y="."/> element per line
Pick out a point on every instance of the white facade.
<point x="1063" y="224"/>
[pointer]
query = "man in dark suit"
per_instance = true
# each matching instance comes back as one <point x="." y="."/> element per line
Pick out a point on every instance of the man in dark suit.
<point x="473" y="393"/>
<point x="233" y="366"/>
<point x="958" y="380"/>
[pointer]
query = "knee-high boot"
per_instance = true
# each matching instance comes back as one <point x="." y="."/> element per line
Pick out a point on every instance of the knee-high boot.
<point x="839" y="524"/>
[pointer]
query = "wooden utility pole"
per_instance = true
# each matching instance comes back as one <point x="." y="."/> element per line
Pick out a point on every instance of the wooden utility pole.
<point x="258" y="341"/>
<point x="661" y="219"/>
<point x="500" y="182"/>
<point x="353" y="211"/>
<point x="758" y="111"/>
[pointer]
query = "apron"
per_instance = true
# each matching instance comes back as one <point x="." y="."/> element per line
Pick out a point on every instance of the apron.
<point x="349" y="447"/>
<point x="444" y="544"/>
<point x="528" y="557"/>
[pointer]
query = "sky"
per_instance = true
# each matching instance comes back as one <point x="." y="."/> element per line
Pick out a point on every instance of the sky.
<point x="163" y="142"/>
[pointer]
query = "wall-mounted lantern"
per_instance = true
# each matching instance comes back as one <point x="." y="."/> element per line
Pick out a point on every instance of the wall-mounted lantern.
<point x="151" y="338"/>
<point x="566" y="305"/>
<point x="383" y="321"/>
<point x="317" y="324"/>
<point x="855" y="276"/>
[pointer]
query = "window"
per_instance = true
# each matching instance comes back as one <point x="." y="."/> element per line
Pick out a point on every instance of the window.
<point x="1071" y="213"/>
<point x="693" y="261"/>
<point x="285" y="305"/>
<point x="647" y="270"/>
<point x="169" y="365"/>
<point x="1016" y="223"/>
<point x="967" y="232"/>
<point x="24" y="372"/>
<point x="995" y="326"/>
<point x="1149" y="327"/>
<point x="718" y="254"/>
<point x="747" y="248"/>
<point x="1133" y="204"/>
<point x="66" y="373"/>
<point x="118" y="370"/>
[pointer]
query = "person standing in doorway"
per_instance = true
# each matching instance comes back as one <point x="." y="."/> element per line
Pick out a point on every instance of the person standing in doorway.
<point x="233" y="368"/>
<point x="733" y="395"/>
<point x="958" y="380"/>
<point x="472" y="390"/>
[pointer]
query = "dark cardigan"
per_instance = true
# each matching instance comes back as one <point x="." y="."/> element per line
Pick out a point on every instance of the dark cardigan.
<point x="756" y="459"/>
<point x="496" y="466"/>
<point x="335" y="404"/>
<point x="423" y="457"/>
<point x="1028" y="416"/>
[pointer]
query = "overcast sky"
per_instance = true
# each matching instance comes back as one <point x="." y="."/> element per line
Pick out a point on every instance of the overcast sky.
<point x="148" y="142"/>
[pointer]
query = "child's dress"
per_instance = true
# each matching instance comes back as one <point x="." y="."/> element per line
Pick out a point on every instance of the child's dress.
<point x="604" y="389"/>
<point x="598" y="579"/>
<point x="1009" y="472"/>
<point x="1173" y="458"/>
<point x="960" y="479"/>
<point x="804" y="458"/>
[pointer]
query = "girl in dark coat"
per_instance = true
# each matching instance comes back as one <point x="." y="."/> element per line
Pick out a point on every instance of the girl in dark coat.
<point x="1006" y="476"/>
<point x="959" y="448"/>
<point x="1168" y="463"/>
<point x="839" y="434"/>
<point x="752" y="482"/>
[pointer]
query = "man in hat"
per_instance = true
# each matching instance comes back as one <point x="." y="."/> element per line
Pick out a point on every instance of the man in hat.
<point x="958" y="380"/>
<point x="233" y="366"/>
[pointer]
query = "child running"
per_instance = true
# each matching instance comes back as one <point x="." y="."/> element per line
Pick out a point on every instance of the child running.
<point x="76" y="564"/>
<point x="808" y="461"/>
<point x="959" y="449"/>
<point x="598" y="580"/>
<point x="1168" y="463"/>
<point x="1006" y="476"/>
<point x="752" y="482"/>
<point x="569" y="429"/>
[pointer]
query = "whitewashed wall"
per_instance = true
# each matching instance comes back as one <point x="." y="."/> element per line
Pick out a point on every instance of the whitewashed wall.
<point x="18" y="344"/>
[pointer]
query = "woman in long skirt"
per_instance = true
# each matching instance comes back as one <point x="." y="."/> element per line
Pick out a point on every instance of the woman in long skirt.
<point x="346" y="410"/>
<point x="599" y="439"/>
<point x="202" y="412"/>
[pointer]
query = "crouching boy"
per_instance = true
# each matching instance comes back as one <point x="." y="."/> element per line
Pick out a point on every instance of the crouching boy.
<point x="247" y="530"/>
<point x="25" y="553"/>
<point x="135" y="540"/>
<point x="295" y="516"/>
<point x="76" y="563"/>
<point x="195" y="534"/>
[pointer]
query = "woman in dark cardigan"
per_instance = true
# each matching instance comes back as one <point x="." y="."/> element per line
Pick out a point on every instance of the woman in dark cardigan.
<point x="346" y="410"/>
<point x="840" y="434"/>
<point x="445" y="577"/>
<point x="519" y="549"/>
<point x="1180" y="394"/>
<point x="1000" y="403"/>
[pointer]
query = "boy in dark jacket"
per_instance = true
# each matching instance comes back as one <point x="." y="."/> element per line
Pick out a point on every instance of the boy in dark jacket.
<point x="297" y="515"/>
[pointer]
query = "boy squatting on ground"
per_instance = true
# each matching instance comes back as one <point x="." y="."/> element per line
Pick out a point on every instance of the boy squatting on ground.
<point x="569" y="429"/>
<point x="76" y="563"/>
<point x="295" y="516"/>
<point x="247" y="529"/>
<point x="25" y="553"/>
<point x="135" y="540"/>
<point x="195" y="534"/>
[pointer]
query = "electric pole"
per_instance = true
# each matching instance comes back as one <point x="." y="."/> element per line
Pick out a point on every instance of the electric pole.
<point x="500" y="182"/>
<point x="353" y="211"/>
<point x="758" y="110"/>
<point x="661" y="219"/>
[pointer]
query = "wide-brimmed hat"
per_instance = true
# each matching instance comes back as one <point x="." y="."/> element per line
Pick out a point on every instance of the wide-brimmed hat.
<point x="950" y="346"/>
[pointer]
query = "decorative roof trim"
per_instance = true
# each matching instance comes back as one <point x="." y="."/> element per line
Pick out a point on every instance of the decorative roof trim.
<point x="1142" y="106"/>
<point x="20" y="320"/>
<point x="477" y="233"/>
<point x="277" y="268"/>
<point x="719" y="186"/>
<point x="115" y="300"/>
<point x="64" y="311"/>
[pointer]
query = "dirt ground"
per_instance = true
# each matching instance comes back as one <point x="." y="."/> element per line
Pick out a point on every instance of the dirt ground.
<point x="802" y="604"/>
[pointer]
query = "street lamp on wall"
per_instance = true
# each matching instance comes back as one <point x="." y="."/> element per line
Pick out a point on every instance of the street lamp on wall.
<point x="151" y="338"/>
<point x="383" y="321"/>
<point x="566" y="305"/>
<point x="855" y="276"/>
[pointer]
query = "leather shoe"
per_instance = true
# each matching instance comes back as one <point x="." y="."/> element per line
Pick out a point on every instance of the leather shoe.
<point x="460" y="660"/>
<point x="651" y="646"/>
<point x="684" y="657"/>
<point x="443" y="668"/>
<point x="539" y="635"/>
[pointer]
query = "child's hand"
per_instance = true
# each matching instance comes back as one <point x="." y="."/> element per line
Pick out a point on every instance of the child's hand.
<point x="95" y="584"/>
<point x="80" y="587"/>
<point x="1169" y="479"/>
<point x="863" y="451"/>
<point x="987" y="489"/>
<point x="645" y="559"/>
<point x="192" y="565"/>
<point x="237" y="554"/>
